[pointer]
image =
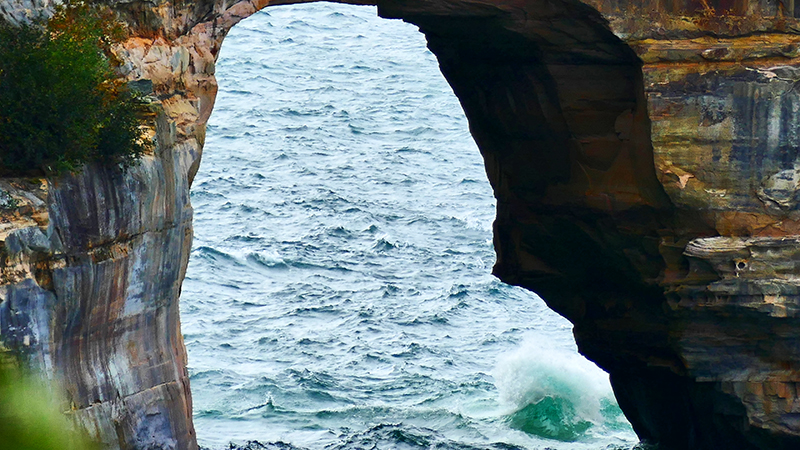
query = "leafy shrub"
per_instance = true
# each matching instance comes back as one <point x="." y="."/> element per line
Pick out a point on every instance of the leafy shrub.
<point x="29" y="417"/>
<point x="7" y="202"/>
<point x="61" y="102"/>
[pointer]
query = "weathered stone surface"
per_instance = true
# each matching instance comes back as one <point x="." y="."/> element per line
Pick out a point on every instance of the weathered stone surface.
<point x="646" y="165"/>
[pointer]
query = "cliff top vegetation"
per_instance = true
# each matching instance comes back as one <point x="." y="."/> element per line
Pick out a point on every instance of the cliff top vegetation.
<point x="62" y="104"/>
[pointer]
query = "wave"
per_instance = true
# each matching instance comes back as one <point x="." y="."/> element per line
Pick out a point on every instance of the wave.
<point x="551" y="393"/>
<point x="255" y="445"/>
<point x="270" y="260"/>
<point x="214" y="255"/>
<point x="384" y="435"/>
<point x="383" y="244"/>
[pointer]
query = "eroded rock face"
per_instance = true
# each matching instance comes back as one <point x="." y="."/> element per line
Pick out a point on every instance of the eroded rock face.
<point x="645" y="161"/>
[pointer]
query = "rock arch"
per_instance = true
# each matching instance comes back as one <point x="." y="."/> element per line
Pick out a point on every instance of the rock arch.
<point x="646" y="170"/>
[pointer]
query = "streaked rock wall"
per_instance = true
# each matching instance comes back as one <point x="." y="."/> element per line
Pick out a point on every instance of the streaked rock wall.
<point x="91" y="264"/>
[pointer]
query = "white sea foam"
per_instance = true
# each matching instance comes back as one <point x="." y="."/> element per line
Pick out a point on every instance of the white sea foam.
<point x="540" y="368"/>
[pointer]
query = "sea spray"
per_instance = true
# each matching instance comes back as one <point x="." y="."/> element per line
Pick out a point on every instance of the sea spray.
<point x="552" y="393"/>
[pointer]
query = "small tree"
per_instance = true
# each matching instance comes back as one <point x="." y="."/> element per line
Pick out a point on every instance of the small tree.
<point x="62" y="104"/>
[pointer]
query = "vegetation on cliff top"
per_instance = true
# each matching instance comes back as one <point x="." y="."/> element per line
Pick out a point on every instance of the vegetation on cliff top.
<point x="62" y="104"/>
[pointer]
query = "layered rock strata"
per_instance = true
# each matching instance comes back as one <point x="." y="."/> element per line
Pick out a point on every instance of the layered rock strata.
<point x="645" y="161"/>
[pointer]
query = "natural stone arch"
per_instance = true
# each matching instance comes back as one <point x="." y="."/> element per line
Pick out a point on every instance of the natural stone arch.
<point x="513" y="84"/>
<point x="610" y="217"/>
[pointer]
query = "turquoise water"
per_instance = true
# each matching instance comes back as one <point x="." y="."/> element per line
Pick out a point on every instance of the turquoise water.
<point x="339" y="293"/>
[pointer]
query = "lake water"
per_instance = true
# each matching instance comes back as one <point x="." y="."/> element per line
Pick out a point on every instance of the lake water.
<point x="339" y="293"/>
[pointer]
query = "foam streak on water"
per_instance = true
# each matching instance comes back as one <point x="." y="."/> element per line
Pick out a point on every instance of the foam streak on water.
<point x="339" y="291"/>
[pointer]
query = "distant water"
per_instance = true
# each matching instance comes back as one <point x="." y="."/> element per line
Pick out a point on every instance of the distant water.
<point x="339" y="294"/>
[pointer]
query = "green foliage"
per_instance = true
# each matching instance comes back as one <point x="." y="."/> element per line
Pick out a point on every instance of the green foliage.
<point x="7" y="202"/>
<point x="28" y="418"/>
<point x="61" y="102"/>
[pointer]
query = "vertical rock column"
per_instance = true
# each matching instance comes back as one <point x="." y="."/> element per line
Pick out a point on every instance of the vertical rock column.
<point x="91" y="263"/>
<point x="721" y="88"/>
<point x="91" y="299"/>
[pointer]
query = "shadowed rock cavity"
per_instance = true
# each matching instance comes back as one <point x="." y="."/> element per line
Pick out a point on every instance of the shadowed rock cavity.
<point x="645" y="161"/>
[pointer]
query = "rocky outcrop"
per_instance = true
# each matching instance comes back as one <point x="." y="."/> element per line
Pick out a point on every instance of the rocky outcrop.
<point x="646" y="165"/>
<point x="90" y="297"/>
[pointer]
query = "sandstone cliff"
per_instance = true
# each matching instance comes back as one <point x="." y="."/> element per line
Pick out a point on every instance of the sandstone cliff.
<point x="644" y="157"/>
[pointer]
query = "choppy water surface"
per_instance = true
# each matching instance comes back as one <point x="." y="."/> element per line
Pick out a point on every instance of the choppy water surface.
<point x="339" y="294"/>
